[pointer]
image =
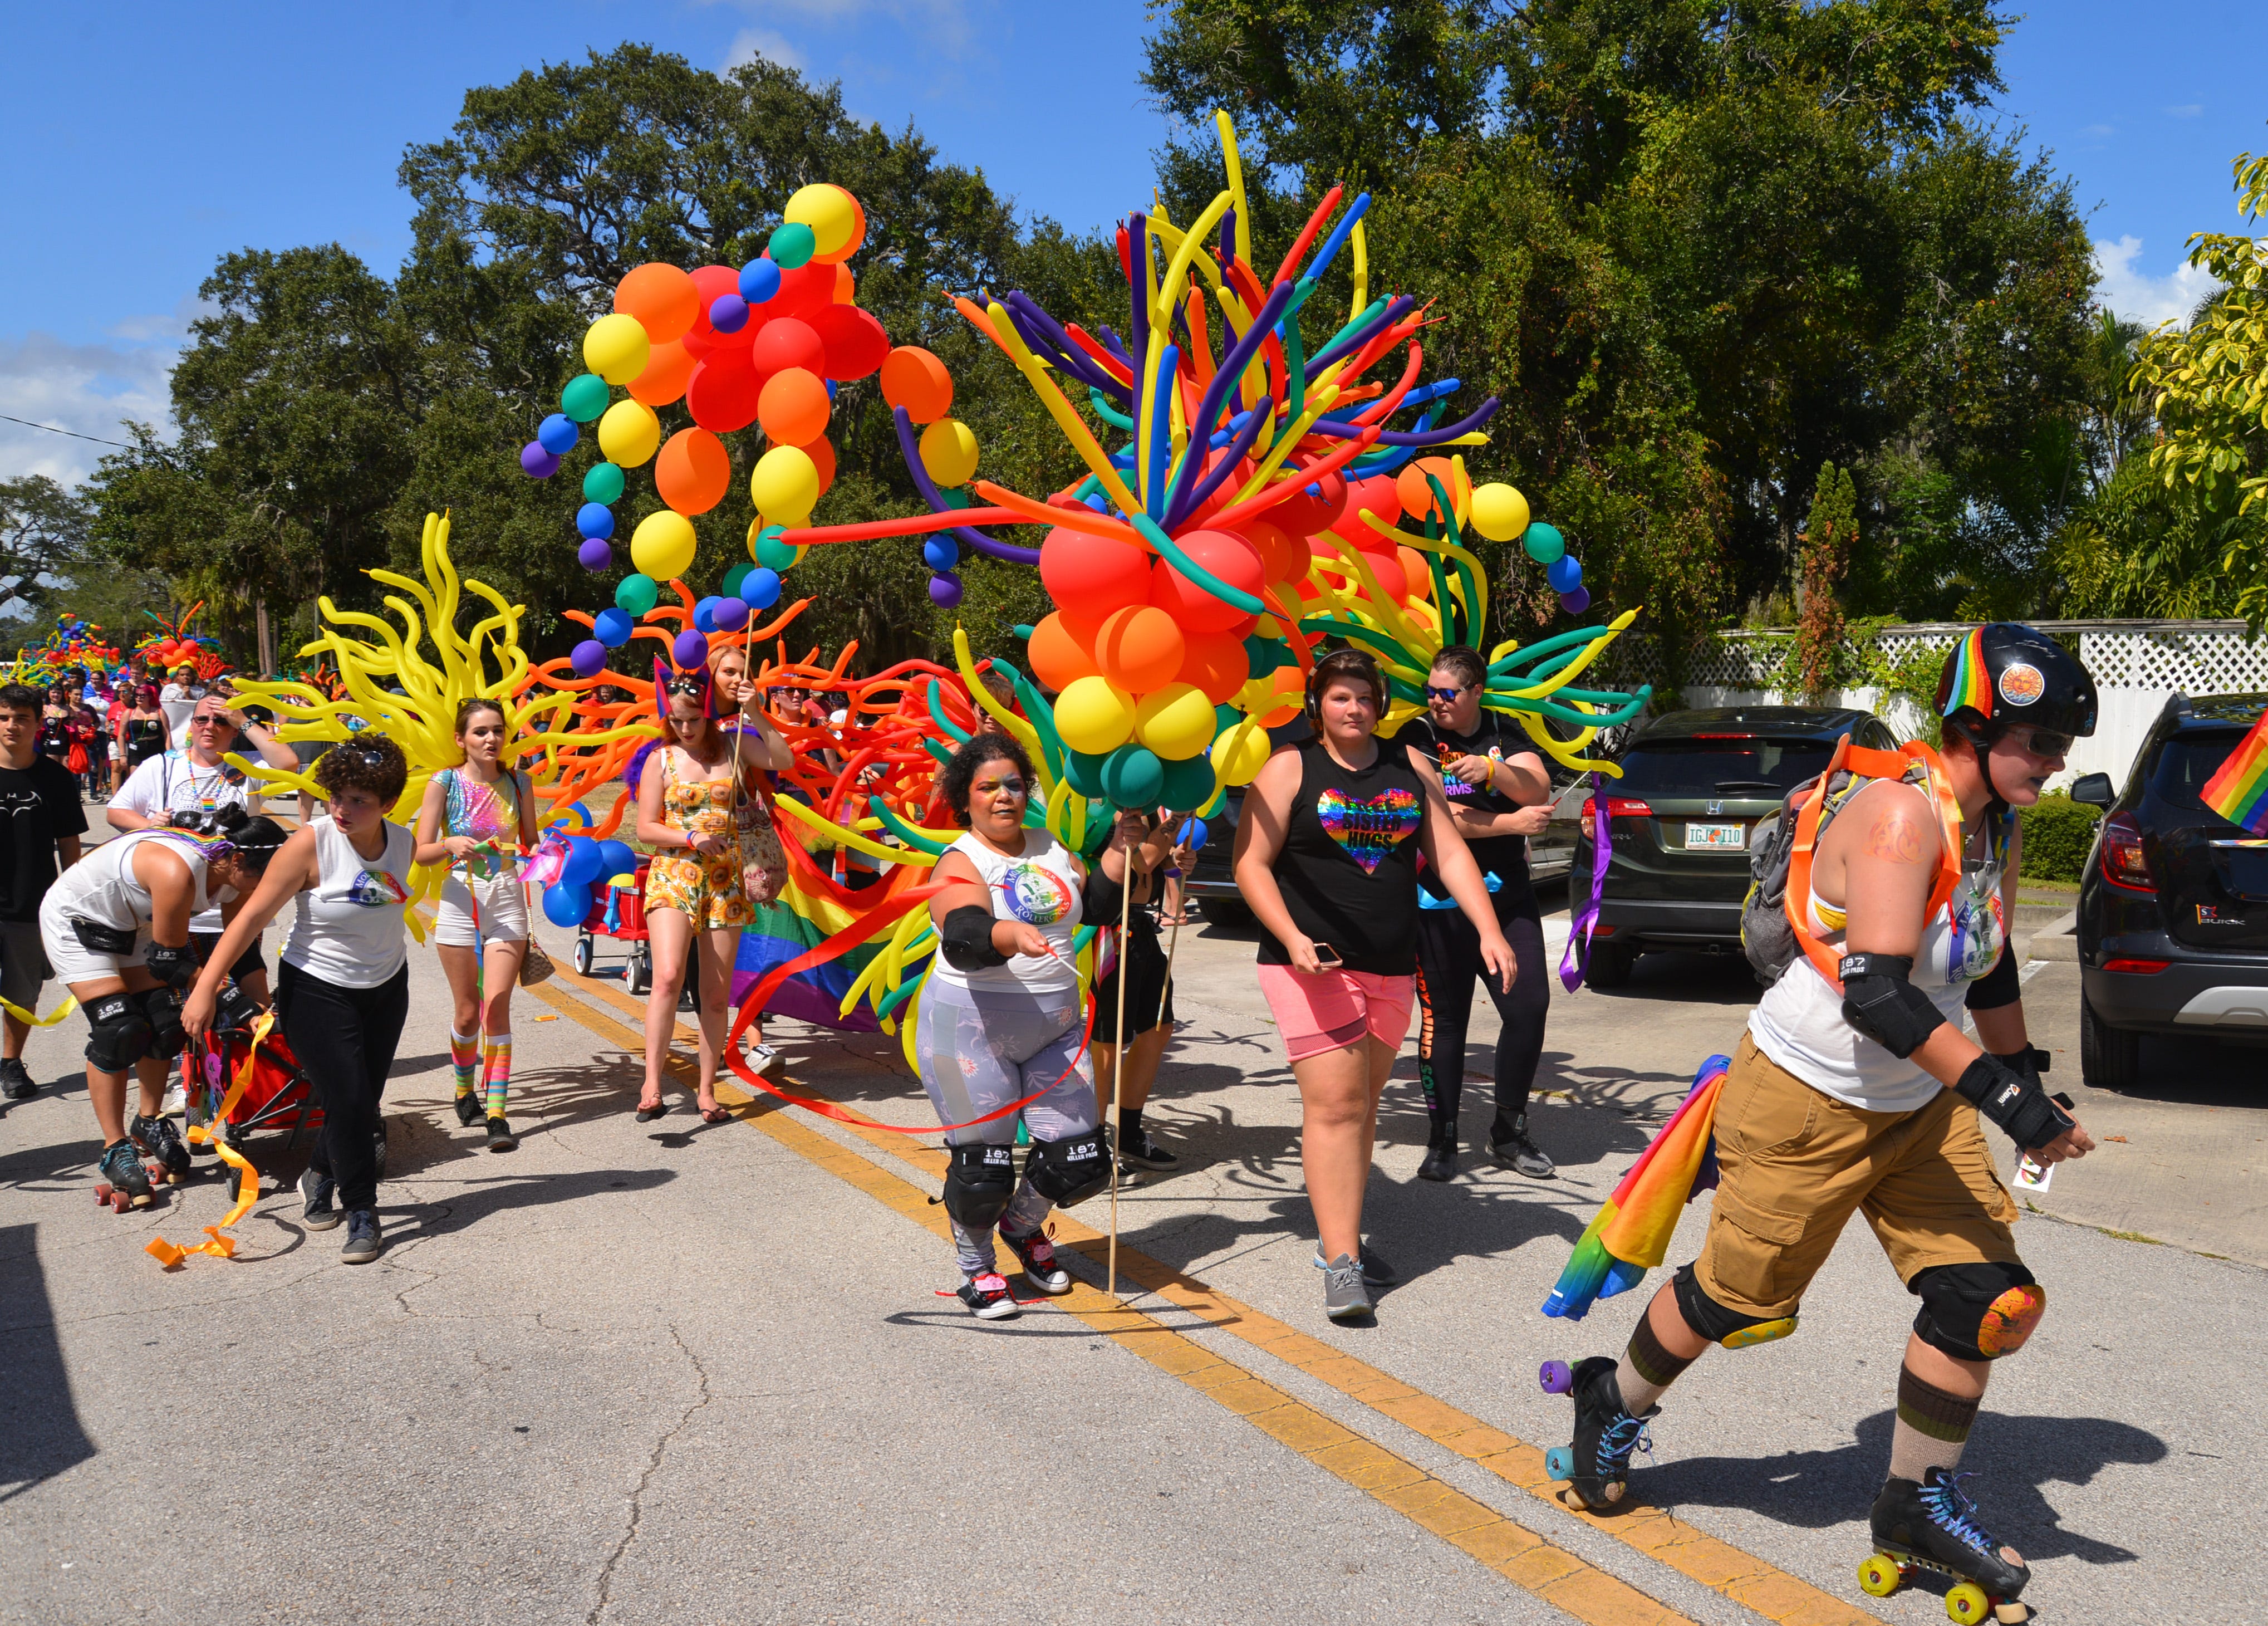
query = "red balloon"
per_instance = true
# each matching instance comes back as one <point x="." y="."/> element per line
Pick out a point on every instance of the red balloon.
<point x="1228" y="555"/>
<point x="1308" y="511"/>
<point x="713" y="282"/>
<point x="1215" y="662"/>
<point x="785" y="342"/>
<point x="1088" y="576"/>
<point x="806" y="288"/>
<point x="1378" y="494"/>
<point x="1387" y="566"/>
<point x="1283" y="557"/>
<point x="855" y="343"/>
<point x="723" y="392"/>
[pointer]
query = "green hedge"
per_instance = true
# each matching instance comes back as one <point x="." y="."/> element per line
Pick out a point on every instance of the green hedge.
<point x="2058" y="833"/>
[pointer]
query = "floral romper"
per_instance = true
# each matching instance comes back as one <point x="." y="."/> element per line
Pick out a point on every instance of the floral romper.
<point x="708" y="888"/>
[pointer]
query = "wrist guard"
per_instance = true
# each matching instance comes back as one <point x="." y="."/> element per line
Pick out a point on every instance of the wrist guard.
<point x="1881" y="1003"/>
<point x="175" y="967"/>
<point x="1101" y="900"/>
<point x="2014" y="1102"/>
<point x="967" y="935"/>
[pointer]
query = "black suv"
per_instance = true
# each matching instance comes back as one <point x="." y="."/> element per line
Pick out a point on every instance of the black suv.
<point x="1694" y="786"/>
<point x="2173" y="908"/>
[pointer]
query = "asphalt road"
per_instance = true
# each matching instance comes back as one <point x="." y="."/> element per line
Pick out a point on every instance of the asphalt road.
<point x="680" y="1372"/>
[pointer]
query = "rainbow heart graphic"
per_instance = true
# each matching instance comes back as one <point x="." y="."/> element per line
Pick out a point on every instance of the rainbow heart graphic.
<point x="1369" y="827"/>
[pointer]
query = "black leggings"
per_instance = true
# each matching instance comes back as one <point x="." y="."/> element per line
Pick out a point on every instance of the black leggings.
<point x="345" y="1041"/>
<point x="1449" y="965"/>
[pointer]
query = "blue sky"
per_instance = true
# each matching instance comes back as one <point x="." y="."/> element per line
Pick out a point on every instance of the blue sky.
<point x="148" y="140"/>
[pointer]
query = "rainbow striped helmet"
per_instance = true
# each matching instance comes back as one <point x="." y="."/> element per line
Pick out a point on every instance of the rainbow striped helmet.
<point x="2004" y="672"/>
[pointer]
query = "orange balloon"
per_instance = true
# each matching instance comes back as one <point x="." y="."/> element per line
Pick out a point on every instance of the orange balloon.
<point x="1415" y="572"/>
<point x="916" y="381"/>
<point x="1058" y="657"/>
<point x="662" y="298"/>
<point x="1215" y="662"/>
<point x="793" y="407"/>
<point x="1418" y="497"/>
<point x="1387" y="569"/>
<point x="693" y="471"/>
<point x="667" y="368"/>
<point x="846" y="286"/>
<point x="822" y="458"/>
<point x="1283" y="556"/>
<point x="1139" y="648"/>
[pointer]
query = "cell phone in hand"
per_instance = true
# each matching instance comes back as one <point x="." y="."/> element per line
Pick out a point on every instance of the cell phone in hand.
<point x="1327" y="957"/>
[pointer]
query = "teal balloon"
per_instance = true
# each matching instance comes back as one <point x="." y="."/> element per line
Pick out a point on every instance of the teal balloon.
<point x="771" y="552"/>
<point x="603" y="483"/>
<point x="733" y="578"/>
<point x="1262" y="655"/>
<point x="1132" y="777"/>
<point x="1085" y="772"/>
<point x="583" y="399"/>
<point x="1543" y="543"/>
<point x="957" y="497"/>
<point x="791" y="245"/>
<point x="637" y="593"/>
<point x="1186" y="785"/>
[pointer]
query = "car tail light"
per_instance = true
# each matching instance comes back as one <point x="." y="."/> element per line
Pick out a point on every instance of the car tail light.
<point x="1617" y="807"/>
<point x="2122" y="863"/>
<point x="2138" y="968"/>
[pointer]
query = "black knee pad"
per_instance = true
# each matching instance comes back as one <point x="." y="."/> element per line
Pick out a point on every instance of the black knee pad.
<point x="1719" y="1326"/>
<point x="121" y="1031"/>
<point x="161" y="1008"/>
<point x="1977" y="1313"/>
<point x="979" y="1179"/>
<point x="1068" y="1173"/>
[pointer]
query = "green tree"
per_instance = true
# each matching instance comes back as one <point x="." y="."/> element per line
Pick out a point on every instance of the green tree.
<point x="43" y="541"/>
<point x="1829" y="538"/>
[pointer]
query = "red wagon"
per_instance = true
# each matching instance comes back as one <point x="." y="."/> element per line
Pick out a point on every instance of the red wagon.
<point x="619" y="914"/>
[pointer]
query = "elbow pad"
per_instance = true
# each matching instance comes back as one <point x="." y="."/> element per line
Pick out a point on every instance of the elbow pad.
<point x="1101" y="900"/>
<point x="2013" y="1101"/>
<point x="1881" y="1003"/>
<point x="967" y="935"/>
<point x="1998" y="986"/>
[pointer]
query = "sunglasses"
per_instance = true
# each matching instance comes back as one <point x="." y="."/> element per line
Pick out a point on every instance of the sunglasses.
<point x="685" y="685"/>
<point x="2041" y="742"/>
<point x="1432" y="693"/>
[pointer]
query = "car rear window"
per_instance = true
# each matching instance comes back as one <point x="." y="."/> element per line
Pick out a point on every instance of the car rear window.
<point x="2186" y="762"/>
<point x="1722" y="767"/>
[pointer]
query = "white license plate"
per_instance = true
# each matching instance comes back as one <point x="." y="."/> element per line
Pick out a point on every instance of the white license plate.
<point x="1734" y="837"/>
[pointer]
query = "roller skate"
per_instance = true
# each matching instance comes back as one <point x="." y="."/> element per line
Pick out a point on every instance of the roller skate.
<point x="125" y="1183"/>
<point x="1931" y="1525"/>
<point x="157" y="1137"/>
<point x="1596" y="1467"/>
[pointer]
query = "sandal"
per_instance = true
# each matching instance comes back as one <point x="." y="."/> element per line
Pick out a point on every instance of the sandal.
<point x="647" y="1113"/>
<point x="716" y="1114"/>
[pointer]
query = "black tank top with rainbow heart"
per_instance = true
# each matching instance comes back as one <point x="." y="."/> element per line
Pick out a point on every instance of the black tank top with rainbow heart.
<point x="1348" y="870"/>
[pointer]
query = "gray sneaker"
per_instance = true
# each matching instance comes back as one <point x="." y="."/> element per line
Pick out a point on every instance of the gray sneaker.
<point x="316" y="1192"/>
<point x="365" y="1242"/>
<point x="1345" y="1294"/>
<point x="1515" y="1151"/>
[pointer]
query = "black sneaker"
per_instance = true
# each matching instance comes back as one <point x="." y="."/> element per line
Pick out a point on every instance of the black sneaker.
<point x="988" y="1297"/>
<point x="1515" y="1151"/>
<point x="161" y="1141"/>
<point x="1139" y="1151"/>
<point x="501" y="1139"/>
<point x="469" y="1109"/>
<point x="16" y="1079"/>
<point x="1038" y="1255"/>
<point x="316" y="1194"/>
<point x="1441" y="1161"/>
<point x="364" y="1241"/>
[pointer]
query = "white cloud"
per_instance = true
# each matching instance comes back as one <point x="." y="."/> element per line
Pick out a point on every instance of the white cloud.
<point x="946" y="26"/>
<point x="2186" y="110"/>
<point x="84" y="387"/>
<point x="751" y="43"/>
<point x="2098" y="129"/>
<point x="2136" y="296"/>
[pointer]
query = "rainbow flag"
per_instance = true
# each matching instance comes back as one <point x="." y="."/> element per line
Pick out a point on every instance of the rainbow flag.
<point x="798" y="922"/>
<point x="2239" y="792"/>
<point x="1631" y="1233"/>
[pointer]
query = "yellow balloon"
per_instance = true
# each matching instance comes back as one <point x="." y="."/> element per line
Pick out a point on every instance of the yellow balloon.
<point x="784" y="485"/>
<point x="831" y="214"/>
<point x="616" y="348"/>
<point x="1240" y="752"/>
<point x="1093" y="717"/>
<point x="1176" y="721"/>
<point x="1500" y="512"/>
<point x="663" y="544"/>
<point x="948" y="451"/>
<point x="629" y="434"/>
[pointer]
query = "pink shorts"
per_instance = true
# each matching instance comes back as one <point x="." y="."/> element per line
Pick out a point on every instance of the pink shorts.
<point x="1332" y="1009"/>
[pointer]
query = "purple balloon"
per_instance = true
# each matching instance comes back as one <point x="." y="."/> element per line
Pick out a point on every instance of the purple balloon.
<point x="730" y="615"/>
<point x="1576" y="602"/>
<point x="728" y="312"/>
<point x="589" y="658"/>
<point x="691" y="649"/>
<point x="536" y="462"/>
<point x="944" y="591"/>
<point x="596" y="554"/>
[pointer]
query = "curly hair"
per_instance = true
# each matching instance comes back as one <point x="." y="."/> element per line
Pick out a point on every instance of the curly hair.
<point x="368" y="762"/>
<point x="961" y="773"/>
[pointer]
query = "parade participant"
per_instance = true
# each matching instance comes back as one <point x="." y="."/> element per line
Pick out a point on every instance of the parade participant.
<point x="1149" y="1013"/>
<point x="701" y="809"/>
<point x="343" y="992"/>
<point x="55" y="718"/>
<point x="116" y="929"/>
<point x="1499" y="795"/>
<point x="202" y="777"/>
<point x="728" y="667"/>
<point x="44" y="822"/>
<point x="179" y="700"/>
<point x="1001" y="1019"/>
<point x="145" y="729"/>
<point x="1326" y="859"/>
<point x="114" y="708"/>
<point x="1867" y="1098"/>
<point x="477" y="818"/>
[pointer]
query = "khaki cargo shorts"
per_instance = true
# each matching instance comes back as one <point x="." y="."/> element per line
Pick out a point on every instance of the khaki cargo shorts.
<point x="1796" y="1162"/>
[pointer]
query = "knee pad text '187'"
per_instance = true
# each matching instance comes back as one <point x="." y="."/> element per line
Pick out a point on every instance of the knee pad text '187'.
<point x="120" y="1032"/>
<point x="1068" y="1173"/>
<point x="979" y="1181"/>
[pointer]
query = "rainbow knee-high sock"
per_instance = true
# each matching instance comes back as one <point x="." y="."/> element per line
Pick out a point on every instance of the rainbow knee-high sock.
<point x="495" y="1071"/>
<point x="465" y="1059"/>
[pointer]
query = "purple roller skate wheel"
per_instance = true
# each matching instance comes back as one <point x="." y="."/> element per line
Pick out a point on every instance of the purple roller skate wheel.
<point x="1555" y="1378"/>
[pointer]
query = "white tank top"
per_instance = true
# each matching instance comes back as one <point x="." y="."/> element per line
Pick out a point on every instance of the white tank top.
<point x="1040" y="889"/>
<point x="103" y="888"/>
<point x="1800" y="1022"/>
<point x="349" y="932"/>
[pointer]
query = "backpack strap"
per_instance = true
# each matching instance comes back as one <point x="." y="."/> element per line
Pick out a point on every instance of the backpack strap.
<point x="1864" y="765"/>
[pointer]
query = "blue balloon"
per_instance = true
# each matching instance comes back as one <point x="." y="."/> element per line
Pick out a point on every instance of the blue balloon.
<point x="1565" y="573"/>
<point x="585" y="863"/>
<point x="595" y="519"/>
<point x="613" y="627"/>
<point x="566" y="906"/>
<point x="761" y="588"/>
<point x="1192" y="834"/>
<point x="616" y="858"/>
<point x="558" y="434"/>
<point x="759" y="279"/>
<point x="705" y="614"/>
<point x="941" y="553"/>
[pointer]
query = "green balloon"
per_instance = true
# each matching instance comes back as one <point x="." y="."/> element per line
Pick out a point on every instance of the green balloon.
<point x="793" y="246"/>
<point x="583" y="399"/>
<point x="1543" y="543"/>
<point x="603" y="483"/>
<point x="771" y="552"/>
<point x="1132" y="777"/>
<point x="1188" y="784"/>
<point x="733" y="578"/>
<point x="636" y="595"/>
<point x="957" y="497"/>
<point x="1085" y="772"/>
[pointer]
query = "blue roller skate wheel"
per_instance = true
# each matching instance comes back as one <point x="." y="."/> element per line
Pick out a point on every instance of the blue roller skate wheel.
<point x="1559" y="1462"/>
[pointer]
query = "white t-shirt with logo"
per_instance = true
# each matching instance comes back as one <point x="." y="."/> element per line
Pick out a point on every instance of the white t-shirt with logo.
<point x="170" y="783"/>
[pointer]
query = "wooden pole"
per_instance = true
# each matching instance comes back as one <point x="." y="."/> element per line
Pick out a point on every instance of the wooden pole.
<point x="1118" y="1064"/>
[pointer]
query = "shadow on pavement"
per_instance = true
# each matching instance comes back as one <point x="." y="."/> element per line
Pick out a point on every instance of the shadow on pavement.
<point x="441" y="1217"/>
<point x="40" y="1432"/>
